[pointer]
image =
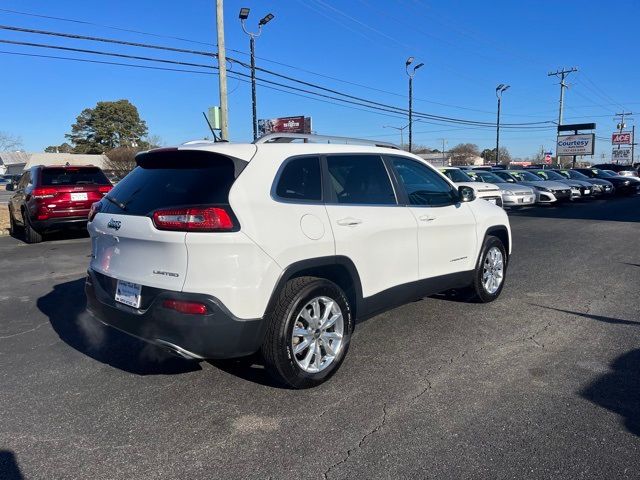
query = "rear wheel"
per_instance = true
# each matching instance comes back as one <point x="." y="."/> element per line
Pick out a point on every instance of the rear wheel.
<point x="308" y="332"/>
<point x="490" y="271"/>
<point x="30" y="235"/>
<point x="13" y="227"/>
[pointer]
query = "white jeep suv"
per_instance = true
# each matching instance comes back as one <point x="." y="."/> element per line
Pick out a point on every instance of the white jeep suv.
<point x="217" y="250"/>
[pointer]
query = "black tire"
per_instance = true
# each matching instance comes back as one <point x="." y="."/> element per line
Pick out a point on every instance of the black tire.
<point x="481" y="293"/>
<point x="277" y="348"/>
<point x="30" y="235"/>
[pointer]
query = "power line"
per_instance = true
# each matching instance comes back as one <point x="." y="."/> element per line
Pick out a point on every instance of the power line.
<point x="267" y="71"/>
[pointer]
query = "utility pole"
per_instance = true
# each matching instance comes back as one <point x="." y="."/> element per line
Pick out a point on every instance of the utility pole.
<point x="633" y="143"/>
<point x="400" y="129"/>
<point x="443" y="152"/>
<point x="562" y="74"/>
<point x="222" y="75"/>
<point x="621" y="127"/>
<point x="499" y="90"/>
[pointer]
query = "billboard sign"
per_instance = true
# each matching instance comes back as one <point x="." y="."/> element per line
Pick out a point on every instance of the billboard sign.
<point x="621" y="138"/>
<point x="621" y="155"/>
<point x="299" y="124"/>
<point x="583" y="144"/>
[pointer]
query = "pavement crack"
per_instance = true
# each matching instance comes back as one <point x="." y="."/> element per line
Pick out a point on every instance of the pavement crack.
<point x="352" y="451"/>
<point x="22" y="333"/>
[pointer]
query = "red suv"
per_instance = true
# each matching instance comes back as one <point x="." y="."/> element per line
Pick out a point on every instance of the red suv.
<point x="54" y="198"/>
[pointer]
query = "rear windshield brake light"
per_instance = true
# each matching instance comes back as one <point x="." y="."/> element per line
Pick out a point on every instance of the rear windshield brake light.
<point x="194" y="219"/>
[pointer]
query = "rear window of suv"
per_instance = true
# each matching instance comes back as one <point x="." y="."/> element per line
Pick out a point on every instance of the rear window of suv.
<point x="51" y="177"/>
<point x="171" y="179"/>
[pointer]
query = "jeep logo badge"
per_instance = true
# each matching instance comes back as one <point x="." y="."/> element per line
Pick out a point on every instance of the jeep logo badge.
<point x="115" y="224"/>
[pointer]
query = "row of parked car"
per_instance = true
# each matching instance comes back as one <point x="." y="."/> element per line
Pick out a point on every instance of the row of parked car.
<point x="530" y="186"/>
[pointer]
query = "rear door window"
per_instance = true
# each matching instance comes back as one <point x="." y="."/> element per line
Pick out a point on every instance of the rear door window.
<point x="300" y="180"/>
<point x="72" y="176"/>
<point x="171" y="179"/>
<point x="360" y="179"/>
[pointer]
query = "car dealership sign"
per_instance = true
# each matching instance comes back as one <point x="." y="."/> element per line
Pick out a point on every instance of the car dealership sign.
<point x="621" y="138"/>
<point x="576" y="144"/>
<point x="621" y="155"/>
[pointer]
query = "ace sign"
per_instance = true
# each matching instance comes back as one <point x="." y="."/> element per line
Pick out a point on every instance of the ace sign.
<point x="621" y="138"/>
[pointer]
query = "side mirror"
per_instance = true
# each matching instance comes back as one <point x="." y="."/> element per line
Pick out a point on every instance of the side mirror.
<point x="466" y="194"/>
<point x="10" y="187"/>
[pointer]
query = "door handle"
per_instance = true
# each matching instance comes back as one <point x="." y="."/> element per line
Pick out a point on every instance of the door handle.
<point x="349" y="221"/>
<point x="427" y="218"/>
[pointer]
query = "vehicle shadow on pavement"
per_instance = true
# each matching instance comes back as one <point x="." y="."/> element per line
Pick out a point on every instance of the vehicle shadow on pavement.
<point x="250" y="369"/>
<point x="619" y="390"/>
<point x="616" y="209"/>
<point x="65" y="306"/>
<point x="9" y="469"/>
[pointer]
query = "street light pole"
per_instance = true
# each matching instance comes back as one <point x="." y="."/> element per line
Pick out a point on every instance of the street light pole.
<point x="222" y="69"/>
<point x="499" y="90"/>
<point x="400" y="129"/>
<point x="411" y="75"/>
<point x="244" y="14"/>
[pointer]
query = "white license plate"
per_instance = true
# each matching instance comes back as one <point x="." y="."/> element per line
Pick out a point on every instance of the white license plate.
<point x="128" y="293"/>
<point x="491" y="200"/>
<point x="77" y="197"/>
<point x="587" y="192"/>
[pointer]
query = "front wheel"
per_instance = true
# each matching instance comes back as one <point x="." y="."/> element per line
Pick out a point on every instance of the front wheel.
<point x="490" y="271"/>
<point x="308" y="332"/>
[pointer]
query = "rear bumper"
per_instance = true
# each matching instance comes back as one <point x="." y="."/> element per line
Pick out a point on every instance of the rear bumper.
<point x="59" y="223"/>
<point x="216" y="335"/>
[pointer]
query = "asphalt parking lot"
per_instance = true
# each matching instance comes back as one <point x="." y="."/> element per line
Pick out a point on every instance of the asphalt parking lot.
<point x="543" y="383"/>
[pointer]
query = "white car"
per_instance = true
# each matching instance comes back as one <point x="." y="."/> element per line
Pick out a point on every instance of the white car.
<point x="218" y="250"/>
<point x="513" y="195"/>
<point x="486" y="191"/>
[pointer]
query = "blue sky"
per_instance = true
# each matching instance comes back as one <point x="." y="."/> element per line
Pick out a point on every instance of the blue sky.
<point x="468" y="47"/>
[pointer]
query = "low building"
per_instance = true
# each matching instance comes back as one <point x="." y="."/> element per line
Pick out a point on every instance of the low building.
<point x="437" y="159"/>
<point x="14" y="163"/>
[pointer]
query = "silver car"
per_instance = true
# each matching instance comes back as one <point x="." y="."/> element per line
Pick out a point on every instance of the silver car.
<point x="513" y="195"/>
<point x="547" y="191"/>
<point x="579" y="188"/>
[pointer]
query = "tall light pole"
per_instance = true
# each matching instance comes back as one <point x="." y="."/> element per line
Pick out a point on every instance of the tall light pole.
<point x="411" y="74"/>
<point x="244" y="14"/>
<point x="499" y="90"/>
<point x="222" y="75"/>
<point x="400" y="129"/>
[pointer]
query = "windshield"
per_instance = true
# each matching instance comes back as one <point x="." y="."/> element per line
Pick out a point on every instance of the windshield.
<point x="575" y="175"/>
<point x="602" y="173"/>
<point x="549" y="175"/>
<point x="456" y="175"/>
<point x="523" y="176"/>
<point x="611" y="173"/>
<point x="474" y="176"/>
<point x="506" y="177"/>
<point x="489" y="177"/>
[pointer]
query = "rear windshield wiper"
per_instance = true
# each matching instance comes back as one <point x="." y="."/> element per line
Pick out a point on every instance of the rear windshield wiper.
<point x="116" y="202"/>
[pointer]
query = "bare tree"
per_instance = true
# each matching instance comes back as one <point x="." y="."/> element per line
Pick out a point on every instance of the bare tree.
<point x="9" y="142"/>
<point x="463" y="153"/>
<point x="121" y="160"/>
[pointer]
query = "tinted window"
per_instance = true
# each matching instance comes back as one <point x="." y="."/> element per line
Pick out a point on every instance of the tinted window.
<point x="360" y="179"/>
<point x="300" y="180"/>
<point x="72" y="176"/>
<point x="423" y="185"/>
<point x="489" y="177"/>
<point x="456" y="175"/>
<point x="173" y="179"/>
<point x="506" y="177"/>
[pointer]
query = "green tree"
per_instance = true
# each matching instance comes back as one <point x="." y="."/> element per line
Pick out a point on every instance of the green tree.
<point x="62" y="148"/>
<point x="107" y="126"/>
<point x="464" y="153"/>
<point x="489" y="156"/>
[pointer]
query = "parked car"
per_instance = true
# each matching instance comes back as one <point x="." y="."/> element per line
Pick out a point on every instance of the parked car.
<point x="55" y="198"/>
<point x="10" y="181"/>
<point x="219" y="250"/>
<point x="600" y="187"/>
<point x="513" y="195"/>
<point x="546" y="191"/>
<point x="622" y="170"/>
<point x="486" y="191"/>
<point x="579" y="188"/>
<point x="623" y="185"/>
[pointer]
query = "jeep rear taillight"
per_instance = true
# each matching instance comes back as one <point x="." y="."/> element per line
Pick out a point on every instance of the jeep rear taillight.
<point x="44" y="192"/>
<point x="104" y="189"/>
<point x="93" y="211"/>
<point x="194" y="219"/>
